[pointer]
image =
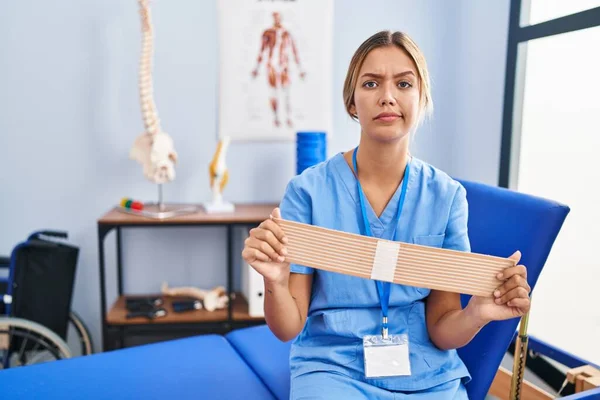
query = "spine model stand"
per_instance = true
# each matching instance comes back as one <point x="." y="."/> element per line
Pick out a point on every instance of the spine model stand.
<point x="153" y="149"/>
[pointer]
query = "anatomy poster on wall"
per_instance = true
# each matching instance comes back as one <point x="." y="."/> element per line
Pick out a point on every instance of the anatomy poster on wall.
<point x="275" y="68"/>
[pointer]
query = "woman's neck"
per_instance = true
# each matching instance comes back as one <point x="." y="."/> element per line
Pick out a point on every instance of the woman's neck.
<point x="382" y="164"/>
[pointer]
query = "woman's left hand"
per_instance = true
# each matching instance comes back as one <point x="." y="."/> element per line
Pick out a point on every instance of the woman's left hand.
<point x="509" y="300"/>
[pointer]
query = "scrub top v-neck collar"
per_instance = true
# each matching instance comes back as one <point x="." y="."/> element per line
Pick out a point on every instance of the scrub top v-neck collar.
<point x="380" y="224"/>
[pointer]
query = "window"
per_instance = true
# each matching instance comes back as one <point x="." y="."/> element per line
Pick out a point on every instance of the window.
<point x="559" y="158"/>
<point x="536" y="11"/>
<point x="551" y="148"/>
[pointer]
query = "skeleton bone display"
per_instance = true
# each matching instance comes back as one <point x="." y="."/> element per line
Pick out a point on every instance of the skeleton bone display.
<point x="154" y="148"/>
<point x="212" y="300"/>
<point x="219" y="177"/>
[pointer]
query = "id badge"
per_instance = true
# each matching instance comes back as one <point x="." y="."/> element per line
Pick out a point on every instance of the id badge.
<point x="386" y="357"/>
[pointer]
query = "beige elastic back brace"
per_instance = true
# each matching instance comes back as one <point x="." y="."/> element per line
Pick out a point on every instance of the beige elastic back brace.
<point x="396" y="262"/>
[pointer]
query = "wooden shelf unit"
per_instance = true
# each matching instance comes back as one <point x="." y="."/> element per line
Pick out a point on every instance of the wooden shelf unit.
<point x="115" y="327"/>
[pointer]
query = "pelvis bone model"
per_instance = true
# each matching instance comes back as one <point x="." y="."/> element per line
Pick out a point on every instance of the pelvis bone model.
<point x="153" y="149"/>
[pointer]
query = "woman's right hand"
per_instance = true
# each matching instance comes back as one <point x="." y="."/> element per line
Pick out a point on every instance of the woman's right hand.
<point x="265" y="251"/>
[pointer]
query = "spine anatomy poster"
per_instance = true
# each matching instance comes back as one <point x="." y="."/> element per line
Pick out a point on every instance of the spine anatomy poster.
<point x="275" y="68"/>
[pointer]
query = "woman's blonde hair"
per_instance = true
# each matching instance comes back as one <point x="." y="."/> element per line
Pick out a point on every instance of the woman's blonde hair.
<point x="404" y="43"/>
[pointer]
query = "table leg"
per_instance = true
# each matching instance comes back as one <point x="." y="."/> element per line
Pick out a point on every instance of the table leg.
<point x="230" y="271"/>
<point x="102" y="232"/>
<point x="119" y="263"/>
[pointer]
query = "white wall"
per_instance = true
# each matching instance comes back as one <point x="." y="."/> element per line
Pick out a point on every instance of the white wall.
<point x="479" y="68"/>
<point x="69" y="113"/>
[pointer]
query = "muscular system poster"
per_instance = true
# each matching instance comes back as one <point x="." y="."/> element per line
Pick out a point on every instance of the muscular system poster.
<point x="275" y="60"/>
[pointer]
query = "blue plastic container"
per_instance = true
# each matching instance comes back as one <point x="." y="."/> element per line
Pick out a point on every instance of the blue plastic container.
<point x="311" y="149"/>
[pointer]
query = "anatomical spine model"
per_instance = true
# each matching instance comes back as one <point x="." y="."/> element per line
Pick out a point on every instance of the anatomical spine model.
<point x="154" y="148"/>
<point x="219" y="176"/>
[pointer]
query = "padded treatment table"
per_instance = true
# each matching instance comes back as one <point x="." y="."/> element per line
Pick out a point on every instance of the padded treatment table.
<point x="202" y="367"/>
<point x="268" y="357"/>
<point x="247" y="364"/>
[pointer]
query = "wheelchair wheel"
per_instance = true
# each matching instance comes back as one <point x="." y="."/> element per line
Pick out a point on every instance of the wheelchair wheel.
<point x="24" y="342"/>
<point x="83" y="335"/>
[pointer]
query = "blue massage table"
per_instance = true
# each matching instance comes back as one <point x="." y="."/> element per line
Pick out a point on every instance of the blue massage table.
<point x="251" y="363"/>
<point x="247" y="364"/>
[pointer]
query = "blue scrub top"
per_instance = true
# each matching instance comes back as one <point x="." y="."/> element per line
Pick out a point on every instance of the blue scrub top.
<point x="344" y="308"/>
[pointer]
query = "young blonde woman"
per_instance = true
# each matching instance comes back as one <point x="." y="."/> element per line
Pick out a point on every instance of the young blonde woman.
<point x="340" y="349"/>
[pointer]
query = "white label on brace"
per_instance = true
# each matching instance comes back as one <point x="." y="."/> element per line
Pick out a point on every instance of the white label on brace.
<point x="384" y="264"/>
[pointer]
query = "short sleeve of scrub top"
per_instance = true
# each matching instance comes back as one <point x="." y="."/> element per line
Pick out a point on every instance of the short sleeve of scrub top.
<point x="456" y="235"/>
<point x="295" y="207"/>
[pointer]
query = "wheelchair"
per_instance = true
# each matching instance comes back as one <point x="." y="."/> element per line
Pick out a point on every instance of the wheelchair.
<point x="36" y="320"/>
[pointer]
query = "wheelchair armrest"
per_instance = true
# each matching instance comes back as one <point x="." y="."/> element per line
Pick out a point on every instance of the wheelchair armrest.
<point x="4" y="262"/>
<point x="56" y="234"/>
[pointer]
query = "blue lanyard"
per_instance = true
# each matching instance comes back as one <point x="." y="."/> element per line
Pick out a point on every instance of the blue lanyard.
<point x="382" y="287"/>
